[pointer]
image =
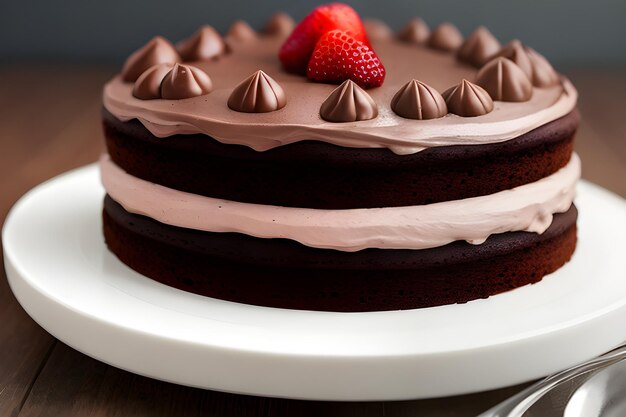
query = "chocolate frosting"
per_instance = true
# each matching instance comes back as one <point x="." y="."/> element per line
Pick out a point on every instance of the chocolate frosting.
<point x="258" y="93"/>
<point x="468" y="100"/>
<point x="544" y="75"/>
<point x="158" y="51"/>
<point x="445" y="37"/>
<point x="280" y="24"/>
<point x="377" y="29"/>
<point x="148" y="85"/>
<point x="505" y="81"/>
<point x="416" y="31"/>
<point x="516" y="52"/>
<point x="240" y="31"/>
<point x="205" y="44"/>
<point x="348" y="103"/>
<point x="478" y="47"/>
<point x="300" y="120"/>
<point x="185" y="81"/>
<point x="416" y="100"/>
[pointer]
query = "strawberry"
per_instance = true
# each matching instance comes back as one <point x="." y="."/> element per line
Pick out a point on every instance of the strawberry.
<point x="297" y="49"/>
<point x="339" y="56"/>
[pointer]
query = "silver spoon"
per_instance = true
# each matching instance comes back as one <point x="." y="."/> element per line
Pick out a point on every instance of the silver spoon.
<point x="520" y="403"/>
<point x="604" y="394"/>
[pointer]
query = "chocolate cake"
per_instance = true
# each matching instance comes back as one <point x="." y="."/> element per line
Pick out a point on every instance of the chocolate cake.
<point x="333" y="165"/>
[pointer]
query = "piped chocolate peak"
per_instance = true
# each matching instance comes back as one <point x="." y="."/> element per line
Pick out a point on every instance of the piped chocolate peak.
<point x="280" y="24"/>
<point x="240" y="31"/>
<point x="516" y="52"/>
<point x="377" y="29"/>
<point x="505" y="81"/>
<point x="544" y="74"/>
<point x="348" y="103"/>
<point x="416" y="31"/>
<point x="205" y="44"/>
<point x="148" y="85"/>
<point x="416" y="100"/>
<point x="185" y="81"/>
<point x="468" y="100"/>
<point x="445" y="37"/>
<point x="158" y="51"/>
<point x="478" y="47"/>
<point x="258" y="93"/>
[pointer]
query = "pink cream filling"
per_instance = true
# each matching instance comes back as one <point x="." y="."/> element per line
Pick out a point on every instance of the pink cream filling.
<point x="529" y="207"/>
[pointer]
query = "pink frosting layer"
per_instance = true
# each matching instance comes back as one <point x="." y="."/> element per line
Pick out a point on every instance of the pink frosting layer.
<point x="299" y="119"/>
<point x="529" y="207"/>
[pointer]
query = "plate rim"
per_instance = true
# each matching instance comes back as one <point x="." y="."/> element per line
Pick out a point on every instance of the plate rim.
<point x="14" y="276"/>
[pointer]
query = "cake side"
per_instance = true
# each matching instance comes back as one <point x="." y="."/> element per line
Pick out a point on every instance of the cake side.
<point x="320" y="175"/>
<point x="529" y="207"/>
<point x="285" y="274"/>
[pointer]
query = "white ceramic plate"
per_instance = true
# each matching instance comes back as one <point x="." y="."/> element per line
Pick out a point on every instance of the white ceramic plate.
<point x="64" y="277"/>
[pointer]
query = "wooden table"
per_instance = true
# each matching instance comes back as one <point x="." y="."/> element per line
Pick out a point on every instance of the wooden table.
<point x="49" y="123"/>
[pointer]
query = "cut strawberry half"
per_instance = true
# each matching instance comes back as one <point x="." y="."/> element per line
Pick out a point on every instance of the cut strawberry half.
<point x="298" y="48"/>
<point x="338" y="57"/>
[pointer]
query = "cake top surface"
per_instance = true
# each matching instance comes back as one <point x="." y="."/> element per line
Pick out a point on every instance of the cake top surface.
<point x="290" y="103"/>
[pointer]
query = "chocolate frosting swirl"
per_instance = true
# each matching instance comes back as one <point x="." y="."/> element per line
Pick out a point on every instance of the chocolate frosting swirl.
<point x="505" y="81"/>
<point x="516" y="52"/>
<point x="185" y="81"/>
<point x="158" y="51"/>
<point x="416" y="100"/>
<point x="280" y="24"/>
<point x="148" y="85"/>
<point x="240" y="31"/>
<point x="478" y="47"/>
<point x="258" y="93"/>
<point x="416" y="31"/>
<point x="445" y="37"/>
<point x="348" y="103"/>
<point x="205" y="44"/>
<point x="544" y="74"/>
<point x="468" y="100"/>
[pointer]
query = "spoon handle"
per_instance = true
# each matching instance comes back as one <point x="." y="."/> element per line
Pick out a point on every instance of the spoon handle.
<point x="518" y="404"/>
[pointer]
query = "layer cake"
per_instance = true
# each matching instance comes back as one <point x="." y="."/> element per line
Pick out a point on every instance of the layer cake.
<point x="440" y="170"/>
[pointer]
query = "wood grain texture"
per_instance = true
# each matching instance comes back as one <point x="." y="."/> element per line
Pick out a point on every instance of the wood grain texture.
<point x="64" y="134"/>
<point x="42" y="377"/>
<point x="601" y="139"/>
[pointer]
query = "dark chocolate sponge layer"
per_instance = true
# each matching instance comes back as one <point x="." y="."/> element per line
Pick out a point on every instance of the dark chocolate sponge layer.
<point x="284" y="273"/>
<point x="320" y="175"/>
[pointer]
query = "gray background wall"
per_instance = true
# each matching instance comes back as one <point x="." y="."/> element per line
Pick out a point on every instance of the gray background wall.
<point x="572" y="33"/>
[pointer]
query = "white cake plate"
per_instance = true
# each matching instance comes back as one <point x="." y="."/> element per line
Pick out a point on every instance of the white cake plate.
<point x="65" y="278"/>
